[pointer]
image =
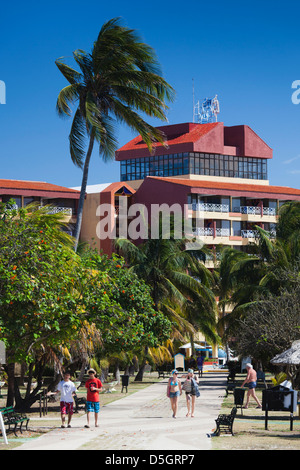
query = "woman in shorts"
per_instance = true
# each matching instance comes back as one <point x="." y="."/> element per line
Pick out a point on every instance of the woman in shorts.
<point x="174" y="390"/>
<point x="191" y="389"/>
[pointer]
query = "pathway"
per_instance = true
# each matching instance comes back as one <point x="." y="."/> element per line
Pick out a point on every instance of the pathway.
<point x="143" y="421"/>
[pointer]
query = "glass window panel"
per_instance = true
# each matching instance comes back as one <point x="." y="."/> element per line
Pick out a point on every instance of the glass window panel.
<point x="197" y="165"/>
<point x="123" y="168"/>
<point x="192" y="166"/>
<point x="185" y="164"/>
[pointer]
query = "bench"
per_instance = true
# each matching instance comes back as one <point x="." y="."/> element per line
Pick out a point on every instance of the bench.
<point x="161" y="373"/>
<point x="111" y="386"/>
<point x="78" y="402"/>
<point x="231" y="377"/>
<point x="11" y="418"/>
<point x="229" y="388"/>
<point x="225" y="422"/>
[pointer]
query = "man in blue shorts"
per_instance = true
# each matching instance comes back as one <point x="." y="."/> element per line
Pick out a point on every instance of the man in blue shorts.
<point x="93" y="386"/>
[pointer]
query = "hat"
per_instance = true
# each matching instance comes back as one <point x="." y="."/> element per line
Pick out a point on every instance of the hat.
<point x="190" y="371"/>
<point x="175" y="371"/>
<point x="92" y="370"/>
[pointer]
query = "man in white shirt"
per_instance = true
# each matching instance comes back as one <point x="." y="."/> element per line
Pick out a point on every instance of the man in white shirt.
<point x="67" y="390"/>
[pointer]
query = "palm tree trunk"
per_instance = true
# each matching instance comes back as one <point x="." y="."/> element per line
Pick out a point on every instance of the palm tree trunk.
<point x="82" y="191"/>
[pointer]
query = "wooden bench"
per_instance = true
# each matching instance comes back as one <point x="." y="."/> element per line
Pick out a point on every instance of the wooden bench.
<point x="79" y="401"/>
<point x="161" y="373"/>
<point x="231" y="377"/>
<point x="225" y="422"/>
<point x="11" y="418"/>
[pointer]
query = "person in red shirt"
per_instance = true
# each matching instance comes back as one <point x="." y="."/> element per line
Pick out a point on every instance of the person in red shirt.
<point x="93" y="386"/>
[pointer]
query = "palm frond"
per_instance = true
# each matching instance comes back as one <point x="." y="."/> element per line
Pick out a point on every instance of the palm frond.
<point x="77" y="139"/>
<point x="70" y="74"/>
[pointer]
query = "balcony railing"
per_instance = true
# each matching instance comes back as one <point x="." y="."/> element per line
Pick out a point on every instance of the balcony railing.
<point x="255" y="233"/>
<point x="256" y="210"/>
<point x="208" y="207"/>
<point x="60" y="210"/>
<point x="209" y="232"/>
<point x="251" y="210"/>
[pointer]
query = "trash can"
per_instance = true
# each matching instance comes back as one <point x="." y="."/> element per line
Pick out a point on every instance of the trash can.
<point x="125" y="382"/>
<point x="279" y="398"/>
<point x="239" y="394"/>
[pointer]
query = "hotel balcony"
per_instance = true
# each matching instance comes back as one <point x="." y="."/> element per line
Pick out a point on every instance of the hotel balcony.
<point x="256" y="210"/>
<point x="210" y="232"/>
<point x="255" y="233"/>
<point x="246" y="213"/>
<point x="209" y="207"/>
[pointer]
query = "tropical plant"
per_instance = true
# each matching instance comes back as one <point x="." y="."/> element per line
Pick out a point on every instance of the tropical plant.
<point x="39" y="306"/>
<point x="119" y="78"/>
<point x="245" y="280"/>
<point x="180" y="283"/>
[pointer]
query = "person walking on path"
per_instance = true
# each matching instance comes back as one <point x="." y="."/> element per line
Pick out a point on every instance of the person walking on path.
<point x="190" y="386"/>
<point x="200" y="362"/>
<point x="93" y="386"/>
<point x="251" y="380"/>
<point x="174" y="390"/>
<point x="67" y="390"/>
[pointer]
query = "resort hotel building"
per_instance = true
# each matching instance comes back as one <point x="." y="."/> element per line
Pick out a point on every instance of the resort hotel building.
<point x="60" y="199"/>
<point x="216" y="171"/>
<point x="220" y="172"/>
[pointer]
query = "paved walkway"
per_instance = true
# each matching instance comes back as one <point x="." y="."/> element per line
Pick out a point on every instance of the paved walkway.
<point x="143" y="421"/>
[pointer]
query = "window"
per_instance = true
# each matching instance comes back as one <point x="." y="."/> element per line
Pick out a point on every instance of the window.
<point x="194" y="163"/>
<point x="17" y="199"/>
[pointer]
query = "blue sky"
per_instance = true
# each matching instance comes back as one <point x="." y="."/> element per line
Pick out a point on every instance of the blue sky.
<point x="246" y="52"/>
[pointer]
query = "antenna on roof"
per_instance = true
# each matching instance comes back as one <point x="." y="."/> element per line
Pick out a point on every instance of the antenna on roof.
<point x="206" y="112"/>
<point x="193" y="101"/>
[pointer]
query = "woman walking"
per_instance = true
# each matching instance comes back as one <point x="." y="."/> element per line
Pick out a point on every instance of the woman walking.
<point x="174" y="390"/>
<point x="190" y="386"/>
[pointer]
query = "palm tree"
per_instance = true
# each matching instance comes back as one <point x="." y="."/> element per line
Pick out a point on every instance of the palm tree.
<point x="119" y="77"/>
<point x="180" y="283"/>
<point x="245" y="279"/>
